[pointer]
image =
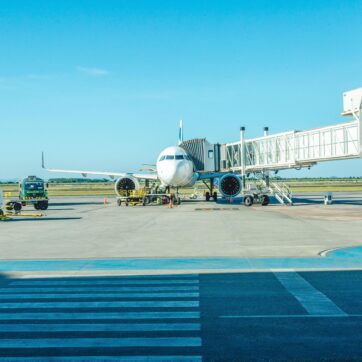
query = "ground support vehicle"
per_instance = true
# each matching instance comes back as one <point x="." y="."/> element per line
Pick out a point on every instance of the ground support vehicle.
<point x="33" y="191"/>
<point x="145" y="196"/>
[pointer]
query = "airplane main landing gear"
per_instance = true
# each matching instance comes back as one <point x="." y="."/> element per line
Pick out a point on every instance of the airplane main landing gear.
<point x="211" y="193"/>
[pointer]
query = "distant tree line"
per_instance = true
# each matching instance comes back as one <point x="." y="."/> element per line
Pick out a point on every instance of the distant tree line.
<point x="65" y="180"/>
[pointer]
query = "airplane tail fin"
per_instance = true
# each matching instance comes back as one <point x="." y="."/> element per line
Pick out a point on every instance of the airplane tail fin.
<point x="181" y="133"/>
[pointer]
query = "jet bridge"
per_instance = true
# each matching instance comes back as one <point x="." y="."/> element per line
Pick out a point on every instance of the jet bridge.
<point x="298" y="149"/>
<point x="287" y="150"/>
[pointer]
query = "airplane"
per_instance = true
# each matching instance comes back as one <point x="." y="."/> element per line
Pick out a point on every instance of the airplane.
<point x="174" y="169"/>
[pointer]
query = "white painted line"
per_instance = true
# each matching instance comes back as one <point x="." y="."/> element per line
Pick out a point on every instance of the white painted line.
<point x="100" y="342"/>
<point x="99" y="288"/>
<point x="133" y="304"/>
<point x="293" y="316"/>
<point x="98" y="327"/>
<point x="104" y="282"/>
<point x="98" y="295"/>
<point x="164" y="274"/>
<point x="311" y="299"/>
<point x="100" y="315"/>
<point x="109" y="359"/>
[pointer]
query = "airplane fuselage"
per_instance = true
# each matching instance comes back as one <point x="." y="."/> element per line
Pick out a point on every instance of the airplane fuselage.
<point x="175" y="168"/>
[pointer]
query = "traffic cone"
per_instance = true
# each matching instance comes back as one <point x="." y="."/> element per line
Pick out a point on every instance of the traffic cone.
<point x="170" y="205"/>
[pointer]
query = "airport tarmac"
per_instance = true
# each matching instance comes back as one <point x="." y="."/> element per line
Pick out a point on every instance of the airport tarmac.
<point x="83" y="227"/>
<point x="198" y="282"/>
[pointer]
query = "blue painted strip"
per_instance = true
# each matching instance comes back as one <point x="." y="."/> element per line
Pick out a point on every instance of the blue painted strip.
<point x="100" y="315"/>
<point x="350" y="259"/>
<point x="100" y="342"/>
<point x="98" y="296"/>
<point x="109" y="359"/>
<point x="311" y="299"/>
<point x="98" y="289"/>
<point x="277" y="316"/>
<point x="131" y="304"/>
<point x="95" y="327"/>
<point x="90" y="282"/>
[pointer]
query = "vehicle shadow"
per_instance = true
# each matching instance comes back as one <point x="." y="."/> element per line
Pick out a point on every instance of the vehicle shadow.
<point x="21" y="219"/>
<point x="78" y="203"/>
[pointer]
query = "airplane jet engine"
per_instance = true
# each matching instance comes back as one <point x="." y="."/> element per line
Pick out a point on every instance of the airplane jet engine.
<point x="230" y="185"/>
<point x="127" y="183"/>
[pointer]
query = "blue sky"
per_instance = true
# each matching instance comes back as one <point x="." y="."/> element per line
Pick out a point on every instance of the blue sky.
<point x="102" y="84"/>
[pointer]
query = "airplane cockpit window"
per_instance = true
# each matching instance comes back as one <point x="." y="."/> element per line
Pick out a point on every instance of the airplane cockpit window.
<point x="180" y="157"/>
<point x="170" y="157"/>
<point x="162" y="158"/>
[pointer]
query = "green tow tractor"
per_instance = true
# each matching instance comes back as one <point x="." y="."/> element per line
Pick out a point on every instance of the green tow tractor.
<point x="32" y="191"/>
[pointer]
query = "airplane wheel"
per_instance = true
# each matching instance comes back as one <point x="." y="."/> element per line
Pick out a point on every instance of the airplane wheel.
<point x="214" y="196"/>
<point x="207" y="195"/>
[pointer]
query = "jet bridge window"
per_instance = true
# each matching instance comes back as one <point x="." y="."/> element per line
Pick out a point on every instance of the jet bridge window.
<point x="211" y="153"/>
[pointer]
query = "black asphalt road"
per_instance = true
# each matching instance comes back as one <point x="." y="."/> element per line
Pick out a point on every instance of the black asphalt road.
<point x="274" y="316"/>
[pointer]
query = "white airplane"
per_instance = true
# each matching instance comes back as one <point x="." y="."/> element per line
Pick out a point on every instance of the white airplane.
<point x="174" y="169"/>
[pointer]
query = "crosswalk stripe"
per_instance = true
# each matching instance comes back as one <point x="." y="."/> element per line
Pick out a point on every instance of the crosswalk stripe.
<point x="131" y="304"/>
<point x="108" y="282"/>
<point x="102" y="277"/>
<point x="100" y="342"/>
<point x="95" y="327"/>
<point x="109" y="359"/>
<point x="100" y="315"/>
<point x="97" y="289"/>
<point x="99" y="295"/>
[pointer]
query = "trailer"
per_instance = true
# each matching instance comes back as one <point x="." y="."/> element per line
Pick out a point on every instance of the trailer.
<point x="146" y="196"/>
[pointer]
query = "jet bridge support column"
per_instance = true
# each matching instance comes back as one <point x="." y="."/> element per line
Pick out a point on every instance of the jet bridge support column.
<point x="360" y="128"/>
<point x="266" y="173"/>
<point x="242" y="155"/>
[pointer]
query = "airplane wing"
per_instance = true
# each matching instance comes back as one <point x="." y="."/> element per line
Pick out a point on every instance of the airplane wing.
<point x="112" y="175"/>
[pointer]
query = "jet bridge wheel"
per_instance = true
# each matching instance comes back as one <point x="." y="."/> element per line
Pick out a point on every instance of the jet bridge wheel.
<point x="207" y="196"/>
<point x="264" y="200"/>
<point x="248" y="200"/>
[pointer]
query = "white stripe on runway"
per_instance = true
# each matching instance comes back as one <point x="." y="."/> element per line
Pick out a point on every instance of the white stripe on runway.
<point x="99" y="288"/>
<point x="109" y="359"/>
<point x="105" y="277"/>
<point x="100" y="342"/>
<point x="100" y="315"/>
<point x="133" y="304"/>
<point x="103" y="282"/>
<point x="311" y="299"/>
<point x="292" y="316"/>
<point x="99" y="295"/>
<point x="95" y="327"/>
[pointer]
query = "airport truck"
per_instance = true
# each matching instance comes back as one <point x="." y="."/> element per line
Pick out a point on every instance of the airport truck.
<point x="33" y="191"/>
